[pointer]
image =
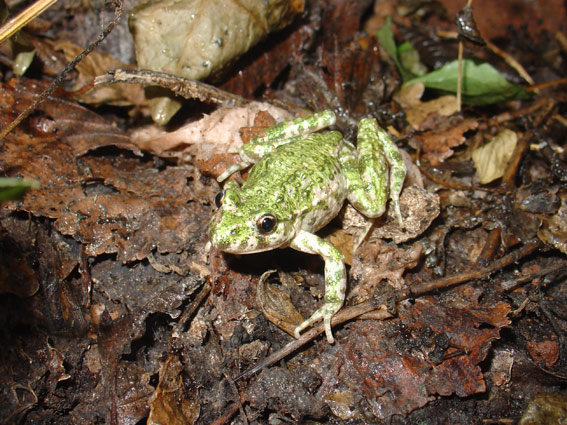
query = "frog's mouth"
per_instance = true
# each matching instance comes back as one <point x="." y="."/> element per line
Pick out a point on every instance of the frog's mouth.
<point x="242" y="238"/>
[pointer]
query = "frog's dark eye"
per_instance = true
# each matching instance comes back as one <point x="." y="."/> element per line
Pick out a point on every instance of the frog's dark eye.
<point x="218" y="199"/>
<point x="267" y="223"/>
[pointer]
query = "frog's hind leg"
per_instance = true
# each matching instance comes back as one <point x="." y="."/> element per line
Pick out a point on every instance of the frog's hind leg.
<point x="335" y="279"/>
<point x="297" y="127"/>
<point x="285" y="132"/>
<point x="368" y="170"/>
<point x="372" y="134"/>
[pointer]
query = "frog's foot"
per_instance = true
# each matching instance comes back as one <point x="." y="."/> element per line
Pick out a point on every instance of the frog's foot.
<point x="326" y="312"/>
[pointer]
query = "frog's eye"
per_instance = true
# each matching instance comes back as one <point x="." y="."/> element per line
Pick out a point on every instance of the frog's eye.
<point x="266" y="223"/>
<point x="218" y="199"/>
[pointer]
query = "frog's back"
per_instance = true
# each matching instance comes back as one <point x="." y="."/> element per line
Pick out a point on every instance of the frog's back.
<point x="301" y="181"/>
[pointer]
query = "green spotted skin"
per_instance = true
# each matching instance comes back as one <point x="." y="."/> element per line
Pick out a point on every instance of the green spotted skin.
<point x="298" y="184"/>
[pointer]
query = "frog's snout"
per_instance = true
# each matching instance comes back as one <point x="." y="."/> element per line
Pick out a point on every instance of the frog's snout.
<point x="223" y="235"/>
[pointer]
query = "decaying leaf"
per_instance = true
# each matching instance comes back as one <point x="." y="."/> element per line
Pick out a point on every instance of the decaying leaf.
<point x="491" y="159"/>
<point x="275" y="303"/>
<point x="419" y="208"/>
<point x="173" y="403"/>
<point x="207" y="140"/>
<point x="96" y="64"/>
<point x="437" y="143"/>
<point x="196" y="38"/>
<point x="433" y="349"/>
<point x="417" y="111"/>
<point x="554" y="231"/>
<point x="546" y="352"/>
<point x="92" y="198"/>
<point x="379" y="260"/>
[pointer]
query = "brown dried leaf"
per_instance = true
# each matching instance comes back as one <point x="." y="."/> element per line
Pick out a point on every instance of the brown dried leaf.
<point x="275" y="303"/>
<point x="437" y="144"/>
<point x="554" y="231"/>
<point x="207" y="140"/>
<point x="262" y="121"/>
<point x="117" y="204"/>
<point x="96" y="64"/>
<point x="546" y="352"/>
<point x="264" y="63"/>
<point x="378" y="260"/>
<point x="172" y="402"/>
<point x="81" y="128"/>
<point x="434" y="348"/>
<point x="417" y="111"/>
<point x="350" y="65"/>
<point x="419" y="208"/>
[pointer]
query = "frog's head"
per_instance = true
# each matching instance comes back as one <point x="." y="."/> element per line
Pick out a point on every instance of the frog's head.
<point x="244" y="227"/>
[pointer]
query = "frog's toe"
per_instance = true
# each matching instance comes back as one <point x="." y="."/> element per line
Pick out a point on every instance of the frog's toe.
<point x="328" y="333"/>
<point x="306" y="323"/>
<point x="324" y="314"/>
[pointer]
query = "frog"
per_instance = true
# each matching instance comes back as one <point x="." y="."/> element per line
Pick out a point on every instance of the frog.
<point x="299" y="180"/>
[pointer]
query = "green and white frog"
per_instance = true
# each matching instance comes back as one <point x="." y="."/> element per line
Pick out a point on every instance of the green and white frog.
<point x="298" y="184"/>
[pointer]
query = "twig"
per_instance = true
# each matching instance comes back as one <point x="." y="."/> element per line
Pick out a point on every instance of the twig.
<point x="188" y="89"/>
<point x="511" y="61"/>
<point x="474" y="274"/>
<point x="344" y="315"/>
<point x="23" y="18"/>
<point x="188" y="313"/>
<point x="70" y="66"/>
<point x="227" y="415"/>
<point x="458" y="185"/>
<point x="459" y="76"/>
<point x="238" y="402"/>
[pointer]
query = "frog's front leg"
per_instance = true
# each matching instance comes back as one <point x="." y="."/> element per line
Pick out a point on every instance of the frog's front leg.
<point x="335" y="279"/>
<point x="279" y="134"/>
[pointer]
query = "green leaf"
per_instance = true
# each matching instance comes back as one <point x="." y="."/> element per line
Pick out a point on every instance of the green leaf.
<point x="409" y="58"/>
<point x="14" y="188"/>
<point x="482" y="84"/>
<point x="386" y="40"/>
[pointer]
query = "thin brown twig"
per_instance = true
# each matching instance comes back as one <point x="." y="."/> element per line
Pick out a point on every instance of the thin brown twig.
<point x="238" y="402"/>
<point x="188" y="89"/>
<point x="460" y="76"/>
<point x="546" y="85"/>
<point x="343" y="316"/>
<point x="233" y="408"/>
<point x="479" y="273"/>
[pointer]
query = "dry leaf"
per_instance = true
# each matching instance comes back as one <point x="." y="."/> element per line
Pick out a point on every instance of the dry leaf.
<point x="196" y="38"/>
<point x="96" y="64"/>
<point x="172" y="403"/>
<point x="207" y="140"/>
<point x="437" y="143"/>
<point x="417" y="111"/>
<point x="491" y="159"/>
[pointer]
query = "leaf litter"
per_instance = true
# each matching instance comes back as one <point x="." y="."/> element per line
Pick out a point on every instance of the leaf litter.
<point x="137" y="324"/>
